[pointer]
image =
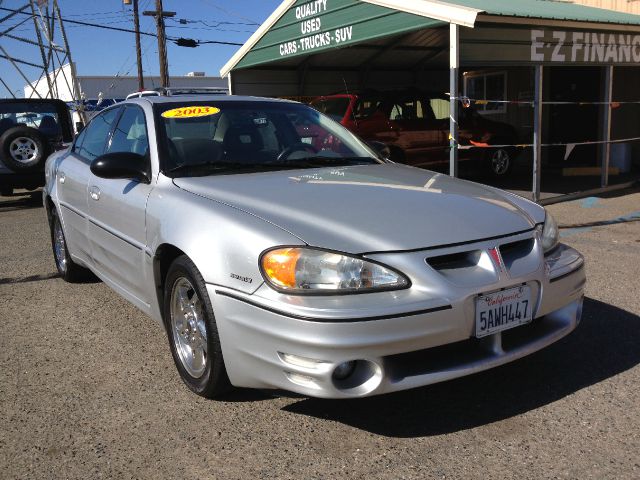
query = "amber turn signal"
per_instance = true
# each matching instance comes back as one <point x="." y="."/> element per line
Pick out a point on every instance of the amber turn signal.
<point x="280" y="266"/>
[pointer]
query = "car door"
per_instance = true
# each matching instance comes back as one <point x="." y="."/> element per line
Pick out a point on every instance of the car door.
<point x="72" y="182"/>
<point x="117" y="212"/>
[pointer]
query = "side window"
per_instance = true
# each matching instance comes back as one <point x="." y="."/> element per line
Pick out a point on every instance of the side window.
<point x="96" y="134"/>
<point x="130" y="135"/>
<point x="440" y="107"/>
<point x="79" y="139"/>
<point x="407" y="110"/>
<point x="365" y="108"/>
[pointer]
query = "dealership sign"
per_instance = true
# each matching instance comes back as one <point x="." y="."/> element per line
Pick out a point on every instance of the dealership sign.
<point x="584" y="47"/>
<point x="516" y="45"/>
<point x="310" y="16"/>
<point x="310" y="27"/>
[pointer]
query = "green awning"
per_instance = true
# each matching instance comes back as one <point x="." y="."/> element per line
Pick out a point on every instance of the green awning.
<point x="312" y="27"/>
<point x="300" y="28"/>
<point x="550" y="10"/>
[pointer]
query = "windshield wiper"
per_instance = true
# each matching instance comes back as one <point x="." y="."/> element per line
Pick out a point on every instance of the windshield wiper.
<point x="320" y="161"/>
<point x="186" y="167"/>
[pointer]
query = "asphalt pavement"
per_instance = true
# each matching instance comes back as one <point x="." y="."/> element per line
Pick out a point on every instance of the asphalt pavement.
<point x="88" y="388"/>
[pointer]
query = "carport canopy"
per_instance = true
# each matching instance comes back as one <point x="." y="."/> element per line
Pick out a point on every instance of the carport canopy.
<point x="309" y="48"/>
<point x="410" y="34"/>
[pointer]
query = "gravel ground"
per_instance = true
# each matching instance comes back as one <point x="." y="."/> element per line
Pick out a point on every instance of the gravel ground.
<point x="88" y="388"/>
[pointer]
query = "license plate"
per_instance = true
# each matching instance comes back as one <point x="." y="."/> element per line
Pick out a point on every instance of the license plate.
<point x="502" y="310"/>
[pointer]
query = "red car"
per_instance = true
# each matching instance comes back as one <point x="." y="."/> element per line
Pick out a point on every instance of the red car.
<point x="415" y="126"/>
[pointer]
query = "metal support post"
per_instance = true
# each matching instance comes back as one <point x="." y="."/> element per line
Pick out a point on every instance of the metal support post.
<point x="230" y="83"/>
<point x="454" y="65"/>
<point x="45" y="66"/>
<point x="537" y="133"/>
<point x="75" y="86"/>
<point x="605" y="151"/>
<point x="24" y="77"/>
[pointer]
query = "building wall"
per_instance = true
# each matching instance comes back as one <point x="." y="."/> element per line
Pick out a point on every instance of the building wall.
<point x="108" y="86"/>
<point x="628" y="6"/>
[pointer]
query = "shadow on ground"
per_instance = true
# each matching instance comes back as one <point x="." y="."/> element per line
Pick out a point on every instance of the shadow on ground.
<point x="29" y="279"/>
<point x="21" y="202"/>
<point x="605" y="344"/>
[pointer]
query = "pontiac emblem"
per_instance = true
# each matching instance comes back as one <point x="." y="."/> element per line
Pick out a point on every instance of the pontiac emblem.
<point x="494" y="253"/>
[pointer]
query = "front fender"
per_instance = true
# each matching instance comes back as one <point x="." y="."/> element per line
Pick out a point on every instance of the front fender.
<point x="50" y="172"/>
<point x="224" y="242"/>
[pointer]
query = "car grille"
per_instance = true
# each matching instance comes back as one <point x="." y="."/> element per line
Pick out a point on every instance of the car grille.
<point x="470" y="268"/>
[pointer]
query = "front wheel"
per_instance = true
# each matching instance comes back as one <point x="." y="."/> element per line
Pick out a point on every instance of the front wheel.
<point x="192" y="330"/>
<point x="500" y="161"/>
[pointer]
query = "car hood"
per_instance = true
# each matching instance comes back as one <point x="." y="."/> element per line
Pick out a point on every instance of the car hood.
<point x="369" y="208"/>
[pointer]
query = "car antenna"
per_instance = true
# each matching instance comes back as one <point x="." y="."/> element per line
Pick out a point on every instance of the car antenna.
<point x="346" y="90"/>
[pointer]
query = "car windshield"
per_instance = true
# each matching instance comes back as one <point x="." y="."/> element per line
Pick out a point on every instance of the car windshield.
<point x="336" y="108"/>
<point x="209" y="138"/>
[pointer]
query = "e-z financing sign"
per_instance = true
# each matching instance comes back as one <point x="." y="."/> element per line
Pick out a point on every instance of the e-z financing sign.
<point x="310" y="24"/>
<point x="584" y="47"/>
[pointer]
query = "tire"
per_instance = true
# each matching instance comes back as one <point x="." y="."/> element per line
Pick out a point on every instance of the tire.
<point x="24" y="149"/>
<point x="69" y="270"/>
<point x="500" y="161"/>
<point x="192" y="330"/>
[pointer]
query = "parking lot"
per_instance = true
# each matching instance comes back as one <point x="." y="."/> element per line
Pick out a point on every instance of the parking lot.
<point x="88" y="388"/>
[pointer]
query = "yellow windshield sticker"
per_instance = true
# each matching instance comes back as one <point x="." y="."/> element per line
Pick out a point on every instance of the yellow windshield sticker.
<point x="191" y="112"/>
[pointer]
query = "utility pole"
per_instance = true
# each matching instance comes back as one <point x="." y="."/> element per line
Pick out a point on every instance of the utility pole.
<point x="159" y="14"/>
<point x="136" y="27"/>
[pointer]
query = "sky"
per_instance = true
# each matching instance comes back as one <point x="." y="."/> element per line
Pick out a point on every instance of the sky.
<point x="105" y="52"/>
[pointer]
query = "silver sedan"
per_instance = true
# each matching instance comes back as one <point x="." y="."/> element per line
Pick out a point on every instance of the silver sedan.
<point x="280" y="251"/>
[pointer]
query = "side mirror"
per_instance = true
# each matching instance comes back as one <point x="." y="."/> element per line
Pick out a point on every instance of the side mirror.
<point x="382" y="149"/>
<point x="125" y="165"/>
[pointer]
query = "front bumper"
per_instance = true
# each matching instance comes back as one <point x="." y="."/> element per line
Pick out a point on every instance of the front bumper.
<point x="296" y="343"/>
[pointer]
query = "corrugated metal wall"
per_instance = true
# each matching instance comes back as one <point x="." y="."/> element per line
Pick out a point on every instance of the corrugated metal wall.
<point x="627" y="6"/>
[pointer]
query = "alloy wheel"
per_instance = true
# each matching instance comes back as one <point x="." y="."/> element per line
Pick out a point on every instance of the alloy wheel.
<point x="23" y="150"/>
<point x="188" y="327"/>
<point x="59" y="246"/>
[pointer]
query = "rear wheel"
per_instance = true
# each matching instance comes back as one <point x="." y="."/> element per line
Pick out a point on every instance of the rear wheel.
<point x="192" y="330"/>
<point x="500" y="161"/>
<point x="67" y="268"/>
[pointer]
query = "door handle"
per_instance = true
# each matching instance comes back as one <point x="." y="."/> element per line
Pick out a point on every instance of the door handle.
<point x="61" y="177"/>
<point x="94" y="193"/>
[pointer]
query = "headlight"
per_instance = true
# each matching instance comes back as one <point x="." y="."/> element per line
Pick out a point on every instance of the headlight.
<point x="550" y="233"/>
<point x="308" y="270"/>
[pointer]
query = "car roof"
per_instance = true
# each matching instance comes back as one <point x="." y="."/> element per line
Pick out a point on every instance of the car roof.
<point x="32" y="100"/>
<point x="205" y="98"/>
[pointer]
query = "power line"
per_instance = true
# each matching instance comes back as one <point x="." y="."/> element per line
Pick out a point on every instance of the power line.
<point x="119" y="29"/>
<point x="216" y="23"/>
<point x="229" y="12"/>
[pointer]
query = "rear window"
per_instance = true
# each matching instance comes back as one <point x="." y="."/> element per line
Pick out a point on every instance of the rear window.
<point x="41" y="116"/>
<point x="334" y="108"/>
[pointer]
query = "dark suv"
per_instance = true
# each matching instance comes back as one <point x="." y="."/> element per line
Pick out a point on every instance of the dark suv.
<point x="415" y="126"/>
<point x="30" y="129"/>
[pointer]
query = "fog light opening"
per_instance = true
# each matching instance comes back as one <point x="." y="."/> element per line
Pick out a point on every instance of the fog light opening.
<point x="357" y="377"/>
<point x="344" y="370"/>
